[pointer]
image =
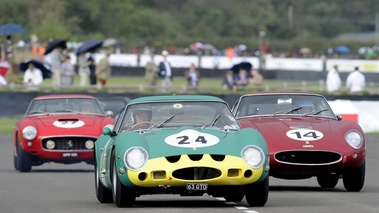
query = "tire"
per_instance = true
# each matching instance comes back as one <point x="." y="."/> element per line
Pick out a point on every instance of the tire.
<point x="15" y="164"/>
<point x="235" y="196"/>
<point x="122" y="196"/>
<point x="103" y="194"/>
<point x="354" y="178"/>
<point x="24" y="163"/>
<point x="257" y="193"/>
<point x="327" y="181"/>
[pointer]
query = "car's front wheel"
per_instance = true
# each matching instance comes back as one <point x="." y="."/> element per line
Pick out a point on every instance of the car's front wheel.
<point x="24" y="163"/>
<point x="257" y="193"/>
<point x="122" y="196"/>
<point x="354" y="178"/>
<point x="328" y="181"/>
<point x="235" y="196"/>
<point x="103" y="194"/>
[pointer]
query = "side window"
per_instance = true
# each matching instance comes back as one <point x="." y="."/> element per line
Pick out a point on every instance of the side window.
<point x="119" y="120"/>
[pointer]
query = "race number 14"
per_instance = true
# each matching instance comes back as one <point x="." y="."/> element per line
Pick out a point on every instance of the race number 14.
<point x="305" y="134"/>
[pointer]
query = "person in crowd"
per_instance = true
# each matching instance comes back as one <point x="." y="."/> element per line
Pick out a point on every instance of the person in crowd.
<point x="356" y="81"/>
<point x="92" y="68"/>
<point x="151" y="72"/>
<point x="241" y="80"/>
<point x="67" y="72"/>
<point x="192" y="76"/>
<point x="3" y="82"/>
<point x="103" y="69"/>
<point x="8" y="49"/>
<point x="33" y="76"/>
<point x="228" y="81"/>
<point x="333" y="80"/>
<point x="56" y="58"/>
<point x="256" y="78"/>
<point x="83" y="69"/>
<point x="165" y="71"/>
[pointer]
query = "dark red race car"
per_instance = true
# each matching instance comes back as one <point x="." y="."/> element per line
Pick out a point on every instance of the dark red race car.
<point x="305" y="138"/>
<point x="58" y="128"/>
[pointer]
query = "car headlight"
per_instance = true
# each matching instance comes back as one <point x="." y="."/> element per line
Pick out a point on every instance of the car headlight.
<point x="29" y="132"/>
<point x="135" y="158"/>
<point x="253" y="156"/>
<point x="89" y="144"/>
<point x="50" y="144"/>
<point x="354" y="139"/>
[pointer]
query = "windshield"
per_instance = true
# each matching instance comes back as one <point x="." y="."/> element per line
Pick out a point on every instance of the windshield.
<point x="65" y="105"/>
<point x="283" y="104"/>
<point x="200" y="114"/>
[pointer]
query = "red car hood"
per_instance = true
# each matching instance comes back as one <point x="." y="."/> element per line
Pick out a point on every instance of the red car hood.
<point x="71" y="123"/>
<point x="296" y="133"/>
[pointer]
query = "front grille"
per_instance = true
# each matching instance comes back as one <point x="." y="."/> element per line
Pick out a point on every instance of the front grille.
<point x="196" y="173"/>
<point x="68" y="143"/>
<point x="308" y="157"/>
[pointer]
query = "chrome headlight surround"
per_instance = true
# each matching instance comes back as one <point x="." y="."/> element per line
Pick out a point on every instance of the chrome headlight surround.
<point x="29" y="132"/>
<point x="253" y="155"/>
<point x="135" y="158"/>
<point x="354" y="139"/>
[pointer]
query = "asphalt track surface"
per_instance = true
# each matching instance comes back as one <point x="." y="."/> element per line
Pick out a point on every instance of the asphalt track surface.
<point x="58" y="188"/>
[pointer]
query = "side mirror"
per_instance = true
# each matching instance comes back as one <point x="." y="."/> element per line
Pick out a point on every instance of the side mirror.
<point x="107" y="130"/>
<point x="109" y="113"/>
<point x="339" y="117"/>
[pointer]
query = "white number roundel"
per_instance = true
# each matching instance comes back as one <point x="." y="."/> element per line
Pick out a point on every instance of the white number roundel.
<point x="305" y="134"/>
<point x="191" y="139"/>
<point x="68" y="124"/>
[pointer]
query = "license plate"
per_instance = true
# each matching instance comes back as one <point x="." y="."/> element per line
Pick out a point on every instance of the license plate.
<point x="197" y="186"/>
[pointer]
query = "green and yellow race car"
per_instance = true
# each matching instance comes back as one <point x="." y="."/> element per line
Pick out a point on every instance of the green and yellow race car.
<point x="188" y="145"/>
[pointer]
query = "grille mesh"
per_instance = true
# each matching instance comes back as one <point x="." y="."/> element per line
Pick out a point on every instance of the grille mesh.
<point x="68" y="143"/>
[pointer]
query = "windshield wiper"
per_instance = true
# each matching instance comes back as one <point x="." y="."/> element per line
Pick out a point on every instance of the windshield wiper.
<point x="36" y="112"/>
<point x="159" y="124"/>
<point x="288" y="111"/>
<point x="212" y="122"/>
<point x="317" y="112"/>
<point x="66" y="110"/>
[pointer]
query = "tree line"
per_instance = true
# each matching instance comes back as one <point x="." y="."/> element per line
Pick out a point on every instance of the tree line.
<point x="223" y="23"/>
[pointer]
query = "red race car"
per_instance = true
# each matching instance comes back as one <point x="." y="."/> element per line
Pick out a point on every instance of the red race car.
<point x="305" y="138"/>
<point x="58" y="128"/>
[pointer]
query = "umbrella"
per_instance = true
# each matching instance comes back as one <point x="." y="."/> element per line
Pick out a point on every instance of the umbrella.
<point x="196" y="46"/>
<point x="9" y="29"/>
<point x="240" y="47"/>
<point x="241" y="66"/>
<point x="46" y="72"/>
<point x="342" y="49"/>
<point x="110" y="42"/>
<point x="88" y="46"/>
<point x="55" y="43"/>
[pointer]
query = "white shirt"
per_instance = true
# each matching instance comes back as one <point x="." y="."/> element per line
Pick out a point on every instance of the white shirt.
<point x="168" y="68"/>
<point x="33" y="77"/>
<point x="333" y="81"/>
<point x="356" y="81"/>
<point x="3" y="82"/>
